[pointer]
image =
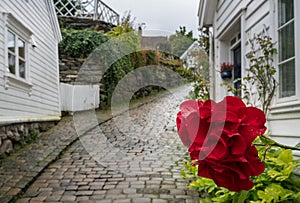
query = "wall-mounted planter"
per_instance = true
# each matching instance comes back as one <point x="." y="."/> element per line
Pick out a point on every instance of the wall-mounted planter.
<point x="226" y="74"/>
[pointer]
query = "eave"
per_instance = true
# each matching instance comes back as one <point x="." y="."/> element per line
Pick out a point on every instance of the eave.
<point x="206" y="12"/>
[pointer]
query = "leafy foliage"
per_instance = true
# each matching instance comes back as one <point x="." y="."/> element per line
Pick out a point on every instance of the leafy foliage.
<point x="204" y="39"/>
<point x="261" y="72"/>
<point x="186" y="73"/>
<point x="200" y="89"/>
<point x="165" y="47"/>
<point x="124" y="26"/>
<point x="276" y="184"/>
<point x="125" y="32"/>
<point x="80" y="43"/>
<point x="181" y="41"/>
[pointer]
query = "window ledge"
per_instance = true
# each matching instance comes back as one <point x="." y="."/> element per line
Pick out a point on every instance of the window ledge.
<point x="287" y="107"/>
<point x="11" y="81"/>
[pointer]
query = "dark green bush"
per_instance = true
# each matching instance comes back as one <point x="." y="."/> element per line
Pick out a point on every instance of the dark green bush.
<point x="80" y="43"/>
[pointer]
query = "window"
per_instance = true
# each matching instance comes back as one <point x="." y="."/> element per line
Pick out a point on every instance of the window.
<point x="286" y="49"/>
<point x="16" y="54"/>
<point x="17" y="40"/>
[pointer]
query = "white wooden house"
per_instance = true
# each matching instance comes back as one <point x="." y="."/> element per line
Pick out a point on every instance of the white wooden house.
<point x="233" y="23"/>
<point x="188" y="57"/>
<point x="29" y="74"/>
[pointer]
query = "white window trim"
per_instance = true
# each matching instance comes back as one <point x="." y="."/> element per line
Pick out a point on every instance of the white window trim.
<point x="295" y="99"/>
<point x="13" y="80"/>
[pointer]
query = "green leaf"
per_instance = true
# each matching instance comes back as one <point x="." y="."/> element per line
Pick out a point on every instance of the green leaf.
<point x="296" y="197"/>
<point x="286" y="156"/>
<point x="266" y="141"/>
<point x="242" y="196"/>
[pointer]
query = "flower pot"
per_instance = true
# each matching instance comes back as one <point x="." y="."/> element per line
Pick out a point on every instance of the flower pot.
<point x="226" y="74"/>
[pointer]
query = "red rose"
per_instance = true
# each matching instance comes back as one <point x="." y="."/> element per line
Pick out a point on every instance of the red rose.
<point x="219" y="137"/>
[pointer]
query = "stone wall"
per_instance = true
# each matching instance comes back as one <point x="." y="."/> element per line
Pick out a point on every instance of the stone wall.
<point x="14" y="136"/>
<point x="69" y="68"/>
<point x="83" y="23"/>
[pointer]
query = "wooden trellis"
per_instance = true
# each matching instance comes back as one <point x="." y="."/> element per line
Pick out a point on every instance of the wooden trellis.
<point x="92" y="9"/>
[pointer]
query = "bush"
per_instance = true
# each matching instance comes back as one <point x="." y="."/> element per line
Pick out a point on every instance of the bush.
<point x="80" y="43"/>
<point x="276" y="184"/>
<point x="186" y="73"/>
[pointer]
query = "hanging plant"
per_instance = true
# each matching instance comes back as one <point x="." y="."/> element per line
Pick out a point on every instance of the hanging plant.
<point x="226" y="70"/>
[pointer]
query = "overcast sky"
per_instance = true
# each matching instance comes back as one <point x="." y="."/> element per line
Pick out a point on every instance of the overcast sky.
<point x="160" y="15"/>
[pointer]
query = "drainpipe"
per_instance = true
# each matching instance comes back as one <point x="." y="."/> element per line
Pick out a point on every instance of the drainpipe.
<point x="212" y="71"/>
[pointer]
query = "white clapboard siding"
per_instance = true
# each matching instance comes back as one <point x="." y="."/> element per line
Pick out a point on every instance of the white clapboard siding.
<point x="2" y="69"/>
<point x="258" y="17"/>
<point x="42" y="101"/>
<point x="229" y="12"/>
<point x="255" y="17"/>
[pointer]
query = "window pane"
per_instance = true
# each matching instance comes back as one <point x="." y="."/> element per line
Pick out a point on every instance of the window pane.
<point x="286" y="42"/>
<point x="21" y="45"/>
<point x="287" y="79"/>
<point x="22" y="68"/>
<point x="11" y="63"/>
<point x="11" y="41"/>
<point x="286" y="11"/>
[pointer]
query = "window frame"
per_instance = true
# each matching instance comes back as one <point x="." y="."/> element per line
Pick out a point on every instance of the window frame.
<point x="17" y="56"/>
<point x="21" y="32"/>
<point x="289" y="100"/>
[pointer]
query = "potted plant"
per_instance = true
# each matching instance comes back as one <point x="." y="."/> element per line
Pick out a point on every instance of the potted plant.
<point x="226" y="70"/>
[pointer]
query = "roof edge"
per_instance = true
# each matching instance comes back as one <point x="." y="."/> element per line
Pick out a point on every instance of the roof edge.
<point x="54" y="20"/>
<point x="206" y="12"/>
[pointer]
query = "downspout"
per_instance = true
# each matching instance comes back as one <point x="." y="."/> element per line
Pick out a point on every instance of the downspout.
<point x="212" y="90"/>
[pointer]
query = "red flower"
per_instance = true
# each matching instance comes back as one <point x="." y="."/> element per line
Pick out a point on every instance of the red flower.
<point x="219" y="138"/>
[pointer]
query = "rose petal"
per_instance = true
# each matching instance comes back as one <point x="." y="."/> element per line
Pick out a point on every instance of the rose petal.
<point x="233" y="103"/>
<point x="237" y="145"/>
<point x="219" y="152"/>
<point x="249" y="133"/>
<point x="252" y="116"/>
<point x="189" y="104"/>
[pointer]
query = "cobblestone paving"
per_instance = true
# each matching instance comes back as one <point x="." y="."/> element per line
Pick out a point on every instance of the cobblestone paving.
<point x="21" y="168"/>
<point x="135" y="157"/>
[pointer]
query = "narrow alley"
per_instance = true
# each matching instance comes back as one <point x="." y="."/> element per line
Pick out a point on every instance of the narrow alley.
<point x="139" y="163"/>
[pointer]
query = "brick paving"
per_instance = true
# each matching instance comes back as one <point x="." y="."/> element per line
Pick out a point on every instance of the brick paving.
<point x="135" y="157"/>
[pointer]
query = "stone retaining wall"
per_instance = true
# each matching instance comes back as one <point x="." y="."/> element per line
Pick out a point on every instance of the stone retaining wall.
<point x="14" y="136"/>
<point x="69" y="68"/>
<point x="83" y="23"/>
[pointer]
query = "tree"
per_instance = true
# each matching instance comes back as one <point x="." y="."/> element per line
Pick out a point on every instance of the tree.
<point x="164" y="46"/>
<point x="181" y="41"/>
<point x="125" y="32"/>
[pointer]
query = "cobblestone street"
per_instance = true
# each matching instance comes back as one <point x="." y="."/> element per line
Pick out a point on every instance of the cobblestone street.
<point x="134" y="157"/>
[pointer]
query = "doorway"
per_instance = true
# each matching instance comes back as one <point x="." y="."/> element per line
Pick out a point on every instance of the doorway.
<point x="237" y="71"/>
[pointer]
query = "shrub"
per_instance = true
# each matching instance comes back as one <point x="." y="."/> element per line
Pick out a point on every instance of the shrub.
<point x="276" y="184"/>
<point x="80" y="43"/>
